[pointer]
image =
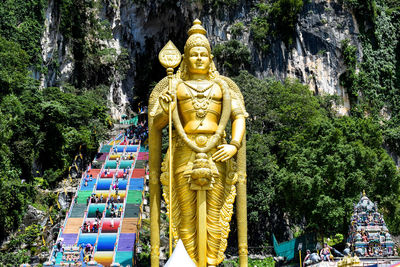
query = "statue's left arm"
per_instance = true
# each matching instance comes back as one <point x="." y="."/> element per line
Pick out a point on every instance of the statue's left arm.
<point x="238" y="118"/>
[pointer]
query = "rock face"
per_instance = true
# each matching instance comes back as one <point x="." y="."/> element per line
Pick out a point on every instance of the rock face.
<point x="143" y="27"/>
<point x="34" y="216"/>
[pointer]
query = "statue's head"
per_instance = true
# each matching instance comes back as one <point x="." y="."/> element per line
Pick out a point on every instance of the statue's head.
<point x="197" y="53"/>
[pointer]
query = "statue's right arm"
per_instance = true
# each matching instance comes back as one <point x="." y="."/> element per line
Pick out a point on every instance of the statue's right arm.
<point x="165" y="100"/>
<point x="161" y="117"/>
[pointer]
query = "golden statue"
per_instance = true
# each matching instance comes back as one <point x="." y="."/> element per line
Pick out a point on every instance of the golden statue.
<point x="207" y="172"/>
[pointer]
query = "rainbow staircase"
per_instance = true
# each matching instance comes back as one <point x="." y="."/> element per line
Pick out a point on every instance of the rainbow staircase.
<point x="115" y="239"/>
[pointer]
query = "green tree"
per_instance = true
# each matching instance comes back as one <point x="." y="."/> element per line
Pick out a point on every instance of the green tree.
<point x="232" y="57"/>
<point x="307" y="166"/>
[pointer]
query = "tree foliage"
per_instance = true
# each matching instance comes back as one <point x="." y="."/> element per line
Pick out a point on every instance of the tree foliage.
<point x="308" y="167"/>
<point x="41" y="130"/>
<point x="276" y="18"/>
<point x="232" y="57"/>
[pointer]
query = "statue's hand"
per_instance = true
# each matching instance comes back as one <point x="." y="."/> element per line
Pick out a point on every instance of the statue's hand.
<point x="224" y="152"/>
<point x="165" y="99"/>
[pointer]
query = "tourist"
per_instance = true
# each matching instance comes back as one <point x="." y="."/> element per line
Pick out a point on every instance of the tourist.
<point x="112" y="212"/>
<point x="325" y="253"/>
<point x="347" y="250"/>
<point x="120" y="211"/>
<point x="98" y="214"/>
<point x="84" y="227"/>
<point x="307" y="260"/>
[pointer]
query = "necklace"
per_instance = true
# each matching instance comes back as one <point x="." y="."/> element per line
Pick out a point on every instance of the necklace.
<point x="198" y="88"/>
<point x="200" y="101"/>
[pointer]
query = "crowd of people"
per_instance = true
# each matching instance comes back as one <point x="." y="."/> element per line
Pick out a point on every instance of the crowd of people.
<point x="137" y="132"/>
<point x="73" y="255"/>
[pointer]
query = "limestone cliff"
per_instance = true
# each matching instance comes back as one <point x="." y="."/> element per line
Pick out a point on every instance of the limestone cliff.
<point x="141" y="29"/>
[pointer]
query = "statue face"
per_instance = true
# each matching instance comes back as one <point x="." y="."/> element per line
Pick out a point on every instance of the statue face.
<point x="199" y="60"/>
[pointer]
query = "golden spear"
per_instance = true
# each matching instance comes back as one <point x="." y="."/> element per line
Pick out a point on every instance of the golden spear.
<point x="170" y="57"/>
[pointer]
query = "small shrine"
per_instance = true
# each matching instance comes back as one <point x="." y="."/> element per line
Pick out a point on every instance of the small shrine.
<point x="368" y="232"/>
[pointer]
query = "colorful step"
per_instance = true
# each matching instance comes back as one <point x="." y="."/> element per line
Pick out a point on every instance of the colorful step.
<point x="110" y="225"/>
<point x="124" y="258"/>
<point x="132" y="211"/>
<point x="106" y="242"/>
<point x="126" y="164"/>
<point x="93" y="208"/>
<point x="89" y="186"/>
<point x="131" y="148"/>
<point x="110" y="173"/>
<point x="83" y="196"/>
<point x="134" y="197"/>
<point x="94" y="172"/>
<point x="87" y="238"/>
<point x="136" y="184"/>
<point x="126" y="242"/>
<point x="103" y="184"/>
<point x="105" y="149"/>
<point x="129" y="225"/>
<point x="73" y="225"/>
<point x="104" y="257"/>
<point x="69" y="239"/>
<point x="110" y="164"/>
<point x="78" y="210"/>
<point x="138" y="173"/>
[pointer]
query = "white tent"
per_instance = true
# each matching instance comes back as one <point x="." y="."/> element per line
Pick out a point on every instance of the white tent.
<point x="180" y="257"/>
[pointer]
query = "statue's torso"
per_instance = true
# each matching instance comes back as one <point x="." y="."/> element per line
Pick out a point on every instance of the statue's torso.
<point x="199" y="106"/>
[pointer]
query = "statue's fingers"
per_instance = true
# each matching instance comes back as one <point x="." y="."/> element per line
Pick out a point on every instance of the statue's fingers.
<point x="225" y="158"/>
<point x="220" y="157"/>
<point x="216" y="153"/>
<point x="164" y="98"/>
<point x="220" y="146"/>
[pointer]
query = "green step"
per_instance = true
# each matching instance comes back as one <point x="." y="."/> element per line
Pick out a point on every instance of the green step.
<point x="78" y="210"/>
<point x="125" y="164"/>
<point x="124" y="258"/>
<point x="132" y="211"/>
<point x="143" y="149"/>
<point x="140" y="164"/>
<point x="105" y="148"/>
<point x="82" y="196"/>
<point x="134" y="197"/>
<point x="97" y="164"/>
<point x="112" y="164"/>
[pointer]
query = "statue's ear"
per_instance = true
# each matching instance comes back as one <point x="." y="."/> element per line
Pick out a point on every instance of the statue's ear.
<point x="211" y="56"/>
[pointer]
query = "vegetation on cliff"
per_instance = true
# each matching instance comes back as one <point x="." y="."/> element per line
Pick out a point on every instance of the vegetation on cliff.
<point x="41" y="130"/>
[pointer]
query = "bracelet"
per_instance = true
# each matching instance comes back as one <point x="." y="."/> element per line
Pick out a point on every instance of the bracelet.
<point x="235" y="143"/>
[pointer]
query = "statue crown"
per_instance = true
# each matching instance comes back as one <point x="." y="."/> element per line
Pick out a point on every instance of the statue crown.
<point x="197" y="37"/>
<point x="197" y="28"/>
